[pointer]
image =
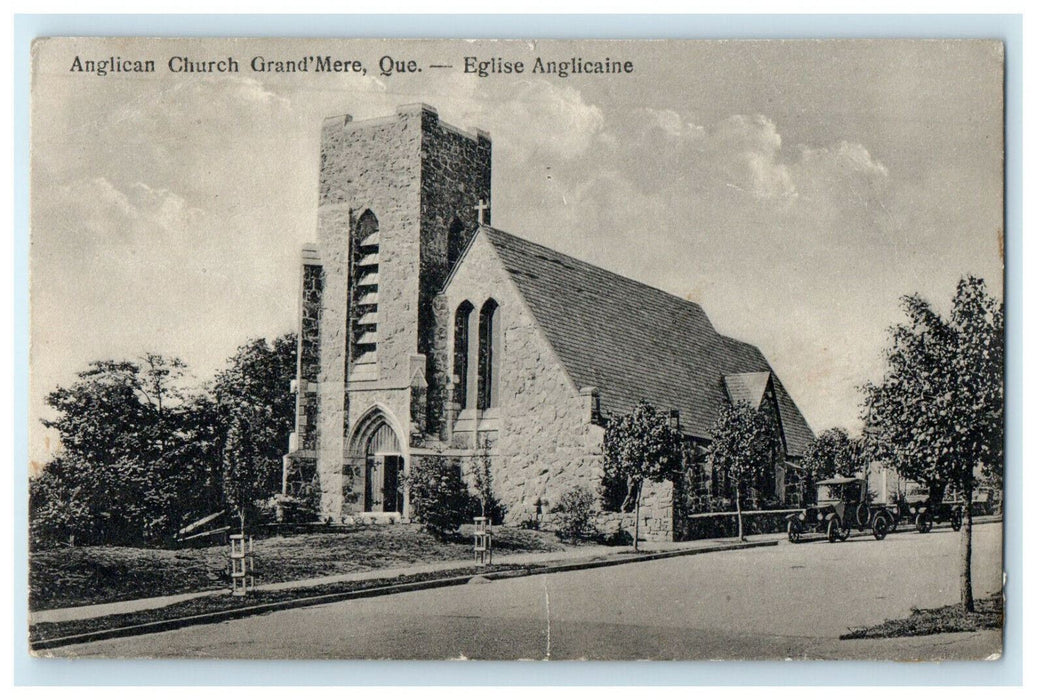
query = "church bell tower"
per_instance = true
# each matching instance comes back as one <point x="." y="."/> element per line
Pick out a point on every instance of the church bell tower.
<point x="398" y="198"/>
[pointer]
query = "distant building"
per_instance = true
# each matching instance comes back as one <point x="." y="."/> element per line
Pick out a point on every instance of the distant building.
<point x="423" y="330"/>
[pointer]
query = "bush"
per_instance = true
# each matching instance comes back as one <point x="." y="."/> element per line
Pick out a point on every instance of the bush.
<point x="574" y="514"/>
<point x="616" y="538"/>
<point x="486" y="503"/>
<point x="439" y="496"/>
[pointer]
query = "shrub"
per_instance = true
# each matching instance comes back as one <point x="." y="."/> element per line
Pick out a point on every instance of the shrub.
<point x="616" y="538"/>
<point x="574" y="514"/>
<point x="439" y="496"/>
<point x="486" y="502"/>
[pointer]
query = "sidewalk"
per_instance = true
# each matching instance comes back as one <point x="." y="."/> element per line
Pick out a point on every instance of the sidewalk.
<point x="578" y="555"/>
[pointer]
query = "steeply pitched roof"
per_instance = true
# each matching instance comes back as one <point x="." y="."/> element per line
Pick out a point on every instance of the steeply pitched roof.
<point x="634" y="342"/>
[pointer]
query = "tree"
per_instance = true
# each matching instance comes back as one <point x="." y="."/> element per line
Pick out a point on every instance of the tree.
<point x="160" y="384"/>
<point x="142" y="453"/>
<point x="247" y="464"/>
<point x="59" y="508"/>
<point x="833" y="453"/>
<point x="741" y="445"/>
<point x="252" y="399"/>
<point x="938" y="414"/>
<point x="101" y="416"/>
<point x="259" y="377"/>
<point x="482" y="474"/>
<point x="637" y="446"/>
<point x="120" y="469"/>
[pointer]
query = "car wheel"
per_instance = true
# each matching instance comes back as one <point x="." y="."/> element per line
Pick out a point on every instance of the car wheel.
<point x="836" y="532"/>
<point x="843" y="531"/>
<point x="919" y="522"/>
<point x="881" y="525"/>
<point x="793" y="531"/>
<point x="862" y="515"/>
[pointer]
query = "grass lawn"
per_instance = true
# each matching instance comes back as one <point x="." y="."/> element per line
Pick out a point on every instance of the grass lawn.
<point x="71" y="576"/>
<point x="989" y="614"/>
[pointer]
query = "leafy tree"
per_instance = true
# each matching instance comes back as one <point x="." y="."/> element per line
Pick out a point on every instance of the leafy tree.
<point x="121" y="426"/>
<point x="938" y="414"/>
<point x="637" y="446"/>
<point x="259" y="376"/>
<point x="833" y="453"/>
<point x="741" y="446"/>
<point x="141" y="454"/>
<point x="59" y="508"/>
<point x="101" y="416"/>
<point x="205" y="428"/>
<point x="159" y="383"/>
<point x="248" y="464"/>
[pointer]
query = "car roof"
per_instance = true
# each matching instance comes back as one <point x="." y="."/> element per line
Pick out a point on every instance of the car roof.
<point x="836" y="481"/>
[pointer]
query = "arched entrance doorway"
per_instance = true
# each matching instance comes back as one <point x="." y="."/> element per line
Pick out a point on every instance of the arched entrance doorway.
<point x="383" y="487"/>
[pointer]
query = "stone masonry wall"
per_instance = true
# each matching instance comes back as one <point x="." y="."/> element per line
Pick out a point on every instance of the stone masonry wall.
<point x="415" y="175"/>
<point x="299" y="464"/>
<point x="375" y="165"/>
<point x="455" y="178"/>
<point x="308" y="355"/>
<point x="542" y="441"/>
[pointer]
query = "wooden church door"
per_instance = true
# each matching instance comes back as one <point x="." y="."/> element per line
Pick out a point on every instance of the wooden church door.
<point x="384" y="465"/>
<point x="391" y="497"/>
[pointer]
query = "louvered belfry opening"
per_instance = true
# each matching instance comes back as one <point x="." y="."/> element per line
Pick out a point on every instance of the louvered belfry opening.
<point x="365" y="282"/>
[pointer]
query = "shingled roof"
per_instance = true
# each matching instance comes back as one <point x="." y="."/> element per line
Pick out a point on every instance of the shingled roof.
<point x="634" y="342"/>
<point x="747" y="387"/>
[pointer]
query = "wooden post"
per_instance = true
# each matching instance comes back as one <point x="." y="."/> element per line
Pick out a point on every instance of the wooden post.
<point x="241" y="563"/>
<point x="739" y="513"/>
<point x="483" y="541"/>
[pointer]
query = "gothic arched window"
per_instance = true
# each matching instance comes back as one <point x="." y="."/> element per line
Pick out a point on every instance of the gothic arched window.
<point x="461" y="328"/>
<point x="489" y="355"/>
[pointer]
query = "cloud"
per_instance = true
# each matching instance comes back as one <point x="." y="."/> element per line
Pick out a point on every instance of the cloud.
<point x="745" y="150"/>
<point x="543" y="122"/>
<point x="92" y="222"/>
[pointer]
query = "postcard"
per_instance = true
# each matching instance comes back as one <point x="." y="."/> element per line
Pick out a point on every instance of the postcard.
<point x="553" y="350"/>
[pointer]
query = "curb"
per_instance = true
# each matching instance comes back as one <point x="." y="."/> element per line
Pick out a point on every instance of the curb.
<point x="309" y="601"/>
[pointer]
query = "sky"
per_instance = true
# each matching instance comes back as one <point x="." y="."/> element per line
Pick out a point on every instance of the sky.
<point x="796" y="190"/>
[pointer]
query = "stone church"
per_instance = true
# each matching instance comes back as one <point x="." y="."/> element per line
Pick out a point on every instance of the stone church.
<point x="426" y="331"/>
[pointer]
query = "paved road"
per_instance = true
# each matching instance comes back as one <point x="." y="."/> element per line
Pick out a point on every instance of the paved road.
<point x="790" y="601"/>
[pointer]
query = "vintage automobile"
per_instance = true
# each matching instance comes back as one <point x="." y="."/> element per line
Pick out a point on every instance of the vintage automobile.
<point x="841" y="504"/>
<point x="923" y="511"/>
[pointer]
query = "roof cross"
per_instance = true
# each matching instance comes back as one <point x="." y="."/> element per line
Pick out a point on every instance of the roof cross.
<point x="482" y="208"/>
